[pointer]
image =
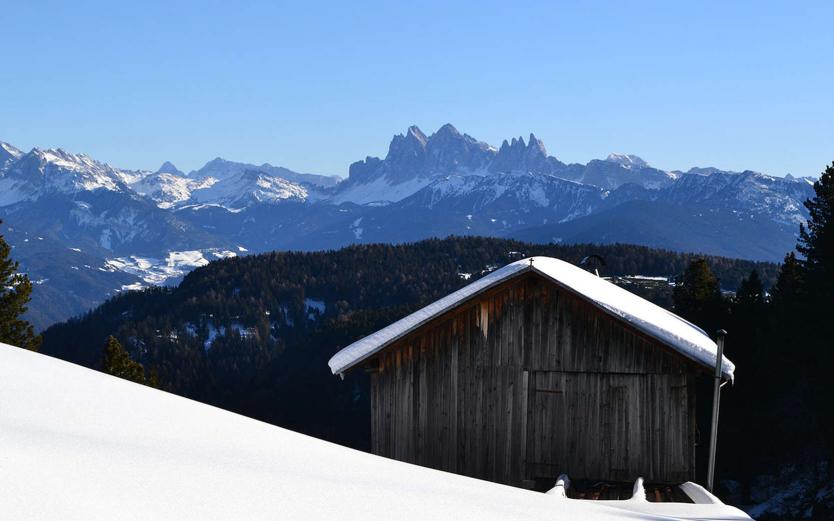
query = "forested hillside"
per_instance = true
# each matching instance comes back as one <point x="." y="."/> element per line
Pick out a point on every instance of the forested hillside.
<point x="254" y="334"/>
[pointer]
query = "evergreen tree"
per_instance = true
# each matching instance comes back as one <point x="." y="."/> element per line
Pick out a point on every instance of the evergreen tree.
<point x="117" y="362"/>
<point x="787" y="291"/>
<point x="15" y="292"/>
<point x="697" y="296"/>
<point x="816" y="240"/>
<point x="153" y="378"/>
<point x="816" y="244"/>
<point x="751" y="292"/>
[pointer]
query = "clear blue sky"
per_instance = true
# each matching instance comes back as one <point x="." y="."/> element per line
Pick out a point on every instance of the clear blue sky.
<point x="315" y="86"/>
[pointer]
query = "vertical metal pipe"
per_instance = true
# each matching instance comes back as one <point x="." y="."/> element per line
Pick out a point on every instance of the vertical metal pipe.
<point x="716" y="401"/>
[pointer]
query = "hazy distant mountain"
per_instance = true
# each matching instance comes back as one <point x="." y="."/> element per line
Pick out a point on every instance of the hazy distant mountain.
<point x="221" y="169"/>
<point x="676" y="227"/>
<point x="169" y="168"/>
<point x="86" y="229"/>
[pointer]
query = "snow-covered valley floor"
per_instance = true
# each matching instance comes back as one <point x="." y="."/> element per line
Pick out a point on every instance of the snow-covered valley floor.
<point x="78" y="444"/>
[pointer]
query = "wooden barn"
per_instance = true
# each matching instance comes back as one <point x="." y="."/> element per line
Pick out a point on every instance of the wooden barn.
<point x="538" y="369"/>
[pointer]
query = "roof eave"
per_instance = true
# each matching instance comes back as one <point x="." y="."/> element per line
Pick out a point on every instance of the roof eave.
<point x="344" y="369"/>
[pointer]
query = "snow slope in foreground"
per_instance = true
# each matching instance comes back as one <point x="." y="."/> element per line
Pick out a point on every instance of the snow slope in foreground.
<point x="77" y="444"/>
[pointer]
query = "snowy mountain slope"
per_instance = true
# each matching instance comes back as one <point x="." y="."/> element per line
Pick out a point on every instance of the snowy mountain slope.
<point x="78" y="444"/>
<point x="8" y="153"/>
<point x="246" y="188"/>
<point x="509" y="200"/>
<point x="41" y="172"/>
<point x="67" y="280"/>
<point x="627" y="160"/>
<point x="219" y="168"/>
<point x="171" y="268"/>
<point x="615" y="172"/>
<point x="779" y="198"/>
<point x="169" y="189"/>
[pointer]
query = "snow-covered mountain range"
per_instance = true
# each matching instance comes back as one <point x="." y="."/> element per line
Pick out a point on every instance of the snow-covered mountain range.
<point x="83" y="229"/>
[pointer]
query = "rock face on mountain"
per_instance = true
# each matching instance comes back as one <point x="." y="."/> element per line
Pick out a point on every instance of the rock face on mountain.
<point x="414" y="156"/>
<point x="90" y="229"/>
<point x="169" y="168"/>
<point x="414" y="159"/>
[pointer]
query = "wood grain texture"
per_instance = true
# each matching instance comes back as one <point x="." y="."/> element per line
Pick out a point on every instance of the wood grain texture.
<point x="527" y="381"/>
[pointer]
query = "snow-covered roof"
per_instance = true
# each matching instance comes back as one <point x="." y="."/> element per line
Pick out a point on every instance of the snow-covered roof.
<point x="651" y="319"/>
<point x="77" y="444"/>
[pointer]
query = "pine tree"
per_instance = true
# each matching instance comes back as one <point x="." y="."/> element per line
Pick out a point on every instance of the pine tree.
<point x="816" y="240"/>
<point x="789" y="282"/>
<point x="117" y="362"/>
<point x="816" y="244"/>
<point x="751" y="292"/>
<point x="15" y="292"/>
<point x="788" y="290"/>
<point x="153" y="378"/>
<point x="697" y="296"/>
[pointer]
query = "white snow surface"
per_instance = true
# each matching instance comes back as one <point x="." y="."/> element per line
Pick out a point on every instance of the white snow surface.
<point x="83" y="445"/>
<point x="247" y="188"/>
<point x="175" y="264"/>
<point x="12" y="151"/>
<point x="169" y="190"/>
<point x="651" y="319"/>
<point x="627" y="160"/>
<point x="380" y="191"/>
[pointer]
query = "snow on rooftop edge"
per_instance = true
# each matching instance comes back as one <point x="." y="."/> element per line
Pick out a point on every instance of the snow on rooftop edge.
<point x="651" y="319"/>
<point x="78" y="444"/>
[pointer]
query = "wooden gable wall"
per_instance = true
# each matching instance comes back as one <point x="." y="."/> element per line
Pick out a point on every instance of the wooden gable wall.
<point x="527" y="381"/>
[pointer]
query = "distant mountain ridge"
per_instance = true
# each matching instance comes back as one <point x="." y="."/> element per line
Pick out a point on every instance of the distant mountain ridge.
<point x="138" y="228"/>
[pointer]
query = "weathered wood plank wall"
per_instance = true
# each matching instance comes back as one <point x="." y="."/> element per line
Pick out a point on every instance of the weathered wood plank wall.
<point x="528" y="381"/>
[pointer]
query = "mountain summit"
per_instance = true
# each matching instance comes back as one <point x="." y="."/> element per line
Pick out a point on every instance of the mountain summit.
<point x="169" y="168"/>
<point x="627" y="160"/>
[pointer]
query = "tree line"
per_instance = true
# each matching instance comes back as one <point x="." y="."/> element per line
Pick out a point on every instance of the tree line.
<point x="781" y="338"/>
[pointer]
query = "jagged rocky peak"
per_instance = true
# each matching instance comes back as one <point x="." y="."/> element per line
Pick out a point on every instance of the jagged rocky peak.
<point x="535" y="147"/>
<point x="447" y="130"/>
<point x="414" y="138"/>
<point x="409" y="143"/>
<point x="169" y="168"/>
<point x="517" y="155"/>
<point x="57" y="157"/>
<point x="406" y="155"/>
<point x="449" y="151"/>
<point x="627" y="160"/>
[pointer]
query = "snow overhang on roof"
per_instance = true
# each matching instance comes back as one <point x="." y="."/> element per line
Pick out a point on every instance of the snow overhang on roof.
<point x="651" y="319"/>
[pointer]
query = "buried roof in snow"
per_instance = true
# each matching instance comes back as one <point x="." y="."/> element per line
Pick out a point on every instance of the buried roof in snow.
<point x="651" y="319"/>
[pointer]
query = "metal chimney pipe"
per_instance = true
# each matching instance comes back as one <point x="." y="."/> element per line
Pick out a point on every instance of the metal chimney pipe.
<point x="716" y="401"/>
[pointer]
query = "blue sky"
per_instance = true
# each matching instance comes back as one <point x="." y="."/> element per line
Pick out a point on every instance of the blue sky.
<point x="315" y="86"/>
